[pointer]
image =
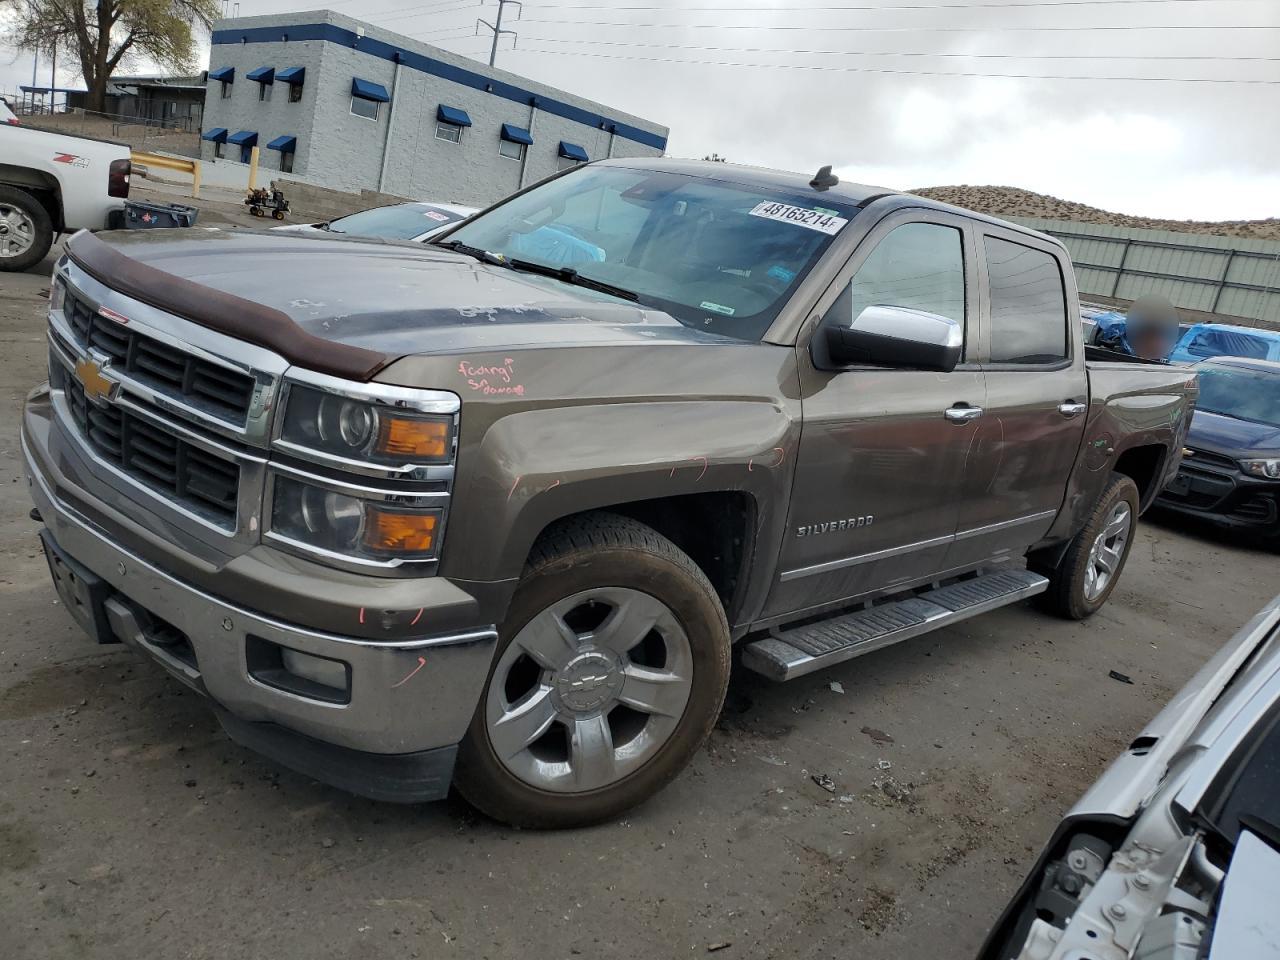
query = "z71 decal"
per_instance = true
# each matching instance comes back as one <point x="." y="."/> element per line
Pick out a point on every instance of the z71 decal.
<point x="71" y="160"/>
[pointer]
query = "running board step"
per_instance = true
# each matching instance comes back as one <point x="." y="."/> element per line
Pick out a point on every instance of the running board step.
<point x="787" y="654"/>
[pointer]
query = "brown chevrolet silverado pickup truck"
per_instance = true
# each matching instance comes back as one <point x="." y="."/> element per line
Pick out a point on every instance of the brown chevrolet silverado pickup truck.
<point x="493" y="511"/>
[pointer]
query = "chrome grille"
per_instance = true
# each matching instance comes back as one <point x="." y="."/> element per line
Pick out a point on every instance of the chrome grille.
<point x="211" y="388"/>
<point x="171" y="466"/>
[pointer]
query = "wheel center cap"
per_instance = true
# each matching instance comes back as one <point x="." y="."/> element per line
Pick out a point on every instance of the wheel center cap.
<point x="588" y="681"/>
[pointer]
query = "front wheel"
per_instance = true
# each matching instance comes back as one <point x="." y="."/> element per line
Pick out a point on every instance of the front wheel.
<point x="609" y="674"/>
<point x="1088" y="571"/>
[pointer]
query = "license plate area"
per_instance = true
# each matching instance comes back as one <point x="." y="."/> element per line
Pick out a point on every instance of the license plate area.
<point x="82" y="592"/>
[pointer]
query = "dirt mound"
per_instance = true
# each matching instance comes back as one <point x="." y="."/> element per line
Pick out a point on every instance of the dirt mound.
<point x="1016" y="202"/>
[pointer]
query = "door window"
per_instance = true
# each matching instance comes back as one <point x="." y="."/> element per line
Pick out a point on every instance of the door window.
<point x="1028" y="304"/>
<point x="916" y="265"/>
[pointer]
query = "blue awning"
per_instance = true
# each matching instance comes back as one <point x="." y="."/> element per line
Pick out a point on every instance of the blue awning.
<point x="368" y="90"/>
<point x="216" y="135"/>
<point x="283" y="144"/>
<point x="245" y="138"/>
<point x="291" y="75"/>
<point x="571" y="151"/>
<point x="516" y="134"/>
<point x="225" y="74"/>
<point x="453" y="115"/>
<point x="262" y="75"/>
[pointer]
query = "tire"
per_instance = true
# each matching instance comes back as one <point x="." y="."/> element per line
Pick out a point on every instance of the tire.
<point x="590" y="567"/>
<point x="26" y="232"/>
<point x="1073" y="592"/>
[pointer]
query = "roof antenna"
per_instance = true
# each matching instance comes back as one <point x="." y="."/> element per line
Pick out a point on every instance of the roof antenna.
<point x="825" y="179"/>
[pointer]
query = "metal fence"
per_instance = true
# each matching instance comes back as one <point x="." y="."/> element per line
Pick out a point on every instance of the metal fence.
<point x="1228" y="276"/>
<point x="180" y="135"/>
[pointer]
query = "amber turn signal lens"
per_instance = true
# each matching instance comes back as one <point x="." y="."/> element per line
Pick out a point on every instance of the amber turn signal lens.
<point x="414" y="438"/>
<point x="388" y="532"/>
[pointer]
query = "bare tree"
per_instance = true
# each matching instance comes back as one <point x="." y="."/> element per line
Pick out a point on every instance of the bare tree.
<point x="103" y="35"/>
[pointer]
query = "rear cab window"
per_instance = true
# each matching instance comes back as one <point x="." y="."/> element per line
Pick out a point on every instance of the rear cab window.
<point x="1228" y="343"/>
<point x="1028" y="305"/>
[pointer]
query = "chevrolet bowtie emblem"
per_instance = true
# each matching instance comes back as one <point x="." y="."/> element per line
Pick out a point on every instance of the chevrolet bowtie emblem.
<point x="97" y="388"/>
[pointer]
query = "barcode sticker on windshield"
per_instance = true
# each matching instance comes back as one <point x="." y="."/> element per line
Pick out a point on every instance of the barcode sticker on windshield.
<point x="810" y="219"/>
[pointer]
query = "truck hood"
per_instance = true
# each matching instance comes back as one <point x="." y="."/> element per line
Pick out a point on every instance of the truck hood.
<point x="1231" y="436"/>
<point x="398" y="298"/>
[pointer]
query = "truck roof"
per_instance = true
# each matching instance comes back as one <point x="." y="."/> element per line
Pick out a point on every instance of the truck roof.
<point x="1248" y="363"/>
<point x="1234" y="328"/>
<point x="859" y="194"/>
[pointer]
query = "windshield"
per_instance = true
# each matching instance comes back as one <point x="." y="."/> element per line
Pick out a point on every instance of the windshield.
<point x="1240" y="393"/>
<point x="1227" y="343"/>
<point x="718" y="256"/>
<point x="403" y="221"/>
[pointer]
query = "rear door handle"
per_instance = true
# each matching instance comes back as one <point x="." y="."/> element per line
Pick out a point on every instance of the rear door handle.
<point x="1072" y="408"/>
<point x="962" y="413"/>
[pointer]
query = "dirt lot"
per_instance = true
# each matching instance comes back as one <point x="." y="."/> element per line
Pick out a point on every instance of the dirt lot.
<point x="131" y="827"/>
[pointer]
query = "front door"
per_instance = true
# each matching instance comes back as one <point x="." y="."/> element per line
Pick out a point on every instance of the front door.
<point x="1037" y="396"/>
<point x="874" y="505"/>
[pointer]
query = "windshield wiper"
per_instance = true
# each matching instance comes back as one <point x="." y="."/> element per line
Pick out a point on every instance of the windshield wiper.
<point x="484" y="256"/>
<point x="570" y="275"/>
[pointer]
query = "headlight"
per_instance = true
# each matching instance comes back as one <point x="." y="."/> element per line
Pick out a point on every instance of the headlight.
<point x="1270" y="469"/>
<point x="340" y="523"/>
<point x="364" y="431"/>
<point x="57" y="293"/>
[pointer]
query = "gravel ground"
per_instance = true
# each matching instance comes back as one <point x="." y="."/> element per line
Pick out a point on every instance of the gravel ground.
<point x="130" y="826"/>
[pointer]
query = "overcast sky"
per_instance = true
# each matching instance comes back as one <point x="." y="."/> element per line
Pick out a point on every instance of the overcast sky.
<point x="875" y="111"/>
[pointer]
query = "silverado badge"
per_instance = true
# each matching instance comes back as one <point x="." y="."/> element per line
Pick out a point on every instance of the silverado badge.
<point x="97" y="388"/>
<point x="832" y="526"/>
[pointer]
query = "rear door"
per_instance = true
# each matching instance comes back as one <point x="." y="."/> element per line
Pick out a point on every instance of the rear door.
<point x="873" y="505"/>
<point x="1033" y="420"/>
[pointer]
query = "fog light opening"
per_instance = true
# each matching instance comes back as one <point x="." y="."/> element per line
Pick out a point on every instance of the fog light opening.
<point x="296" y="672"/>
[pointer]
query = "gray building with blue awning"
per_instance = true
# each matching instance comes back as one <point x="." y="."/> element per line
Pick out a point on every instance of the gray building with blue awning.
<point x="348" y="105"/>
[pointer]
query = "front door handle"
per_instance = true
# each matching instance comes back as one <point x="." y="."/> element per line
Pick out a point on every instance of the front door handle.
<point x="962" y="413"/>
<point x="1072" y="408"/>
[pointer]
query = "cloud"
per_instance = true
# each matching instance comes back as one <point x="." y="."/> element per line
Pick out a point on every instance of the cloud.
<point x="1183" y="150"/>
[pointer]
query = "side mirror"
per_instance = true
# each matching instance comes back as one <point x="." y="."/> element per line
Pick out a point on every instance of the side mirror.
<point x="897" y="337"/>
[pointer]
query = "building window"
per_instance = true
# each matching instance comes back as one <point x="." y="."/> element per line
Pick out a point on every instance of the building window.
<point x="246" y="153"/>
<point x="226" y="90"/>
<point x="295" y="92"/>
<point x="564" y="163"/>
<point x="448" y="131"/>
<point x="286" y="162"/>
<point x="511" y="150"/>
<point x="361" y="107"/>
<point x="264" y="92"/>
<point x="217" y="149"/>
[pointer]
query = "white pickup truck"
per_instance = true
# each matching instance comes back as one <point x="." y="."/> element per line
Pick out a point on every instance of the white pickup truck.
<point x="52" y="183"/>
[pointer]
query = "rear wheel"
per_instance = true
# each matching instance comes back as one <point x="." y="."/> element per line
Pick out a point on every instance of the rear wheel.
<point x="1089" y="570"/>
<point x="609" y="674"/>
<point x="26" y="232"/>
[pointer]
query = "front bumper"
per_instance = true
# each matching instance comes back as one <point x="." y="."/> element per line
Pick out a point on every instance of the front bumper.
<point x="408" y="701"/>
<point x="1223" y="495"/>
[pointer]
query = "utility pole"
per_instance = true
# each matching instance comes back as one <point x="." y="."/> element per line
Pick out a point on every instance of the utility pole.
<point x="496" y="28"/>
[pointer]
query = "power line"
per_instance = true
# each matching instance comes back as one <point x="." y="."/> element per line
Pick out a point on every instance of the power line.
<point x="886" y="70"/>
<point x="896" y="53"/>
<point x="838" y="8"/>
<point x="830" y="29"/>
<point x="420" y="12"/>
